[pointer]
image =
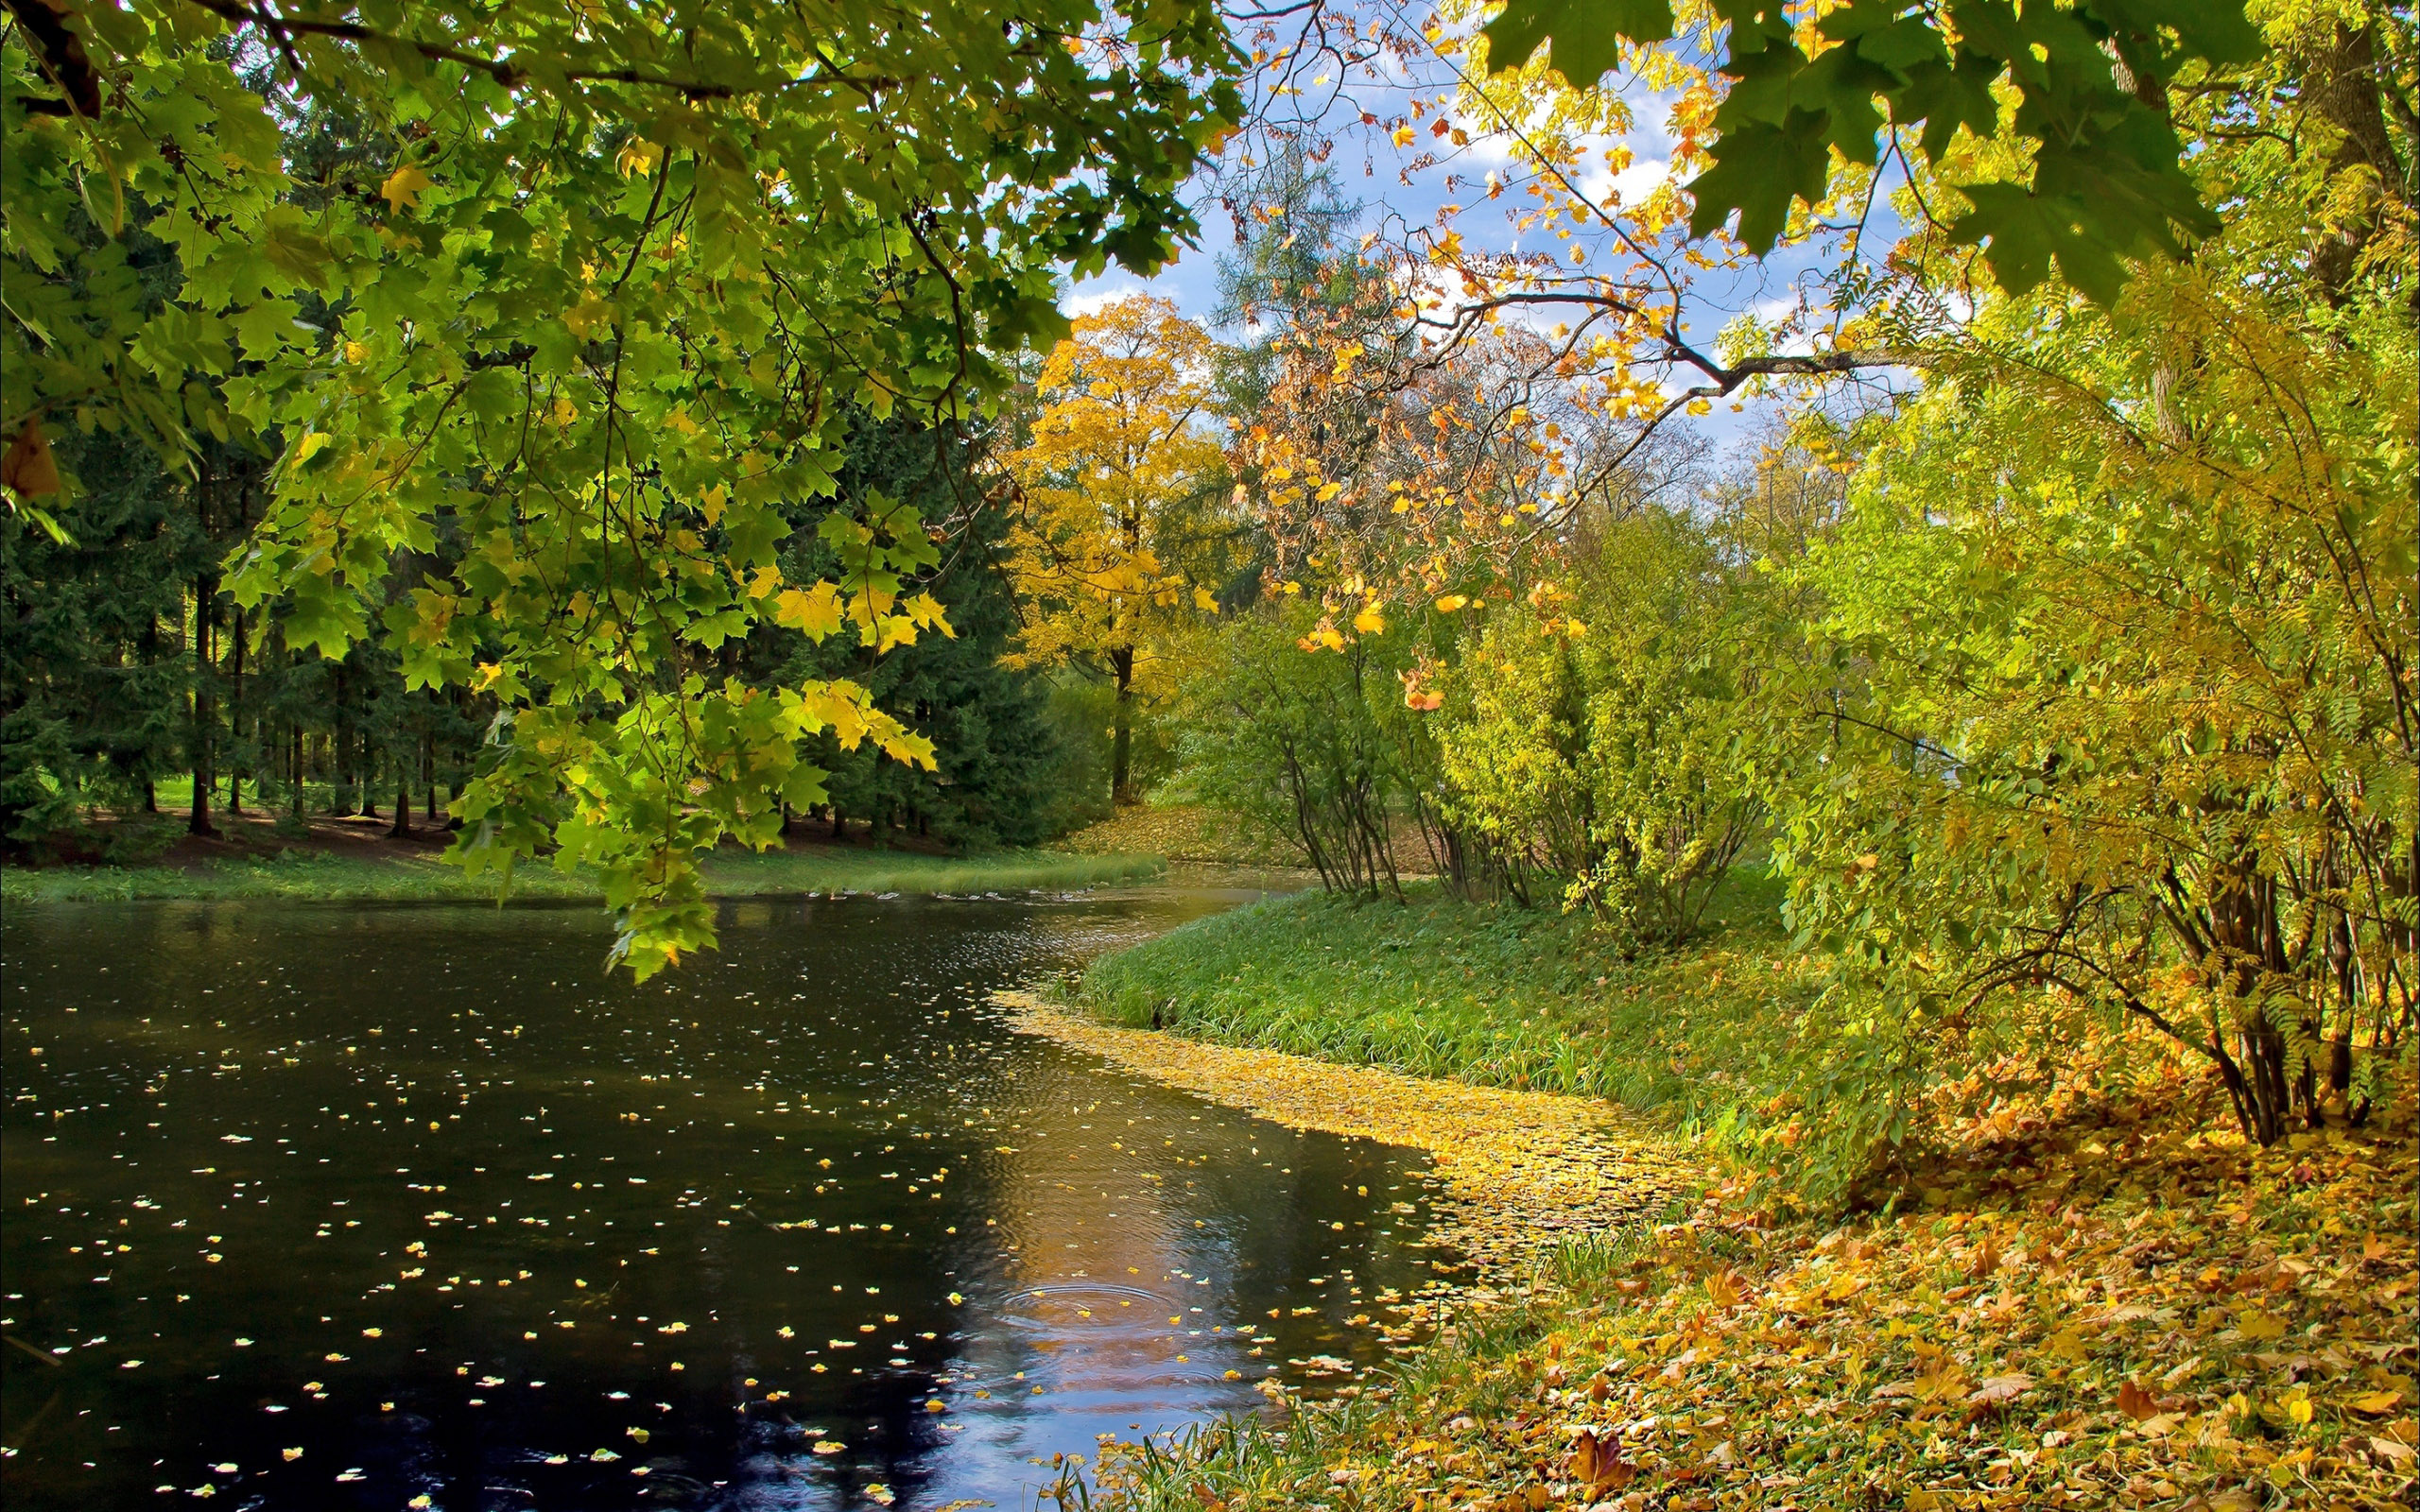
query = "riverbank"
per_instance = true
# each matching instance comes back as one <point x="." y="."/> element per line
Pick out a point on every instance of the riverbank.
<point x="416" y="873"/>
<point x="1496" y="996"/>
<point x="2090" y="1297"/>
<point x="1515" y="1172"/>
<point x="2130" y="1314"/>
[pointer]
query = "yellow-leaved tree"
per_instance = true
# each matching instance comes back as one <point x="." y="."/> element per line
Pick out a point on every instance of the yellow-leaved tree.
<point x="1118" y="485"/>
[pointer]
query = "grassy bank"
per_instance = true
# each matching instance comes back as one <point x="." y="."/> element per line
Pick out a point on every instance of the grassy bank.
<point x="419" y="875"/>
<point x="2130" y="1313"/>
<point x="1501" y="996"/>
<point x="2086" y="1292"/>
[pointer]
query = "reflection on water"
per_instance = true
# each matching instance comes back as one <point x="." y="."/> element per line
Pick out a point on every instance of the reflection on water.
<point x="346" y="1206"/>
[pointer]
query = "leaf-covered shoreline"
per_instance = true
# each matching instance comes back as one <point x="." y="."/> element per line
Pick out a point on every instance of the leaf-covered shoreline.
<point x="1516" y="1171"/>
<point x="2118" y="1306"/>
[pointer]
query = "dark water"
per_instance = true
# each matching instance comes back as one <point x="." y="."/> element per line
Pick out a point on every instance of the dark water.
<point x="339" y="1207"/>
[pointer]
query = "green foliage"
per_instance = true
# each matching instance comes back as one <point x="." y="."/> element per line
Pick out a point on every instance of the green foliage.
<point x="94" y="678"/>
<point x="1512" y="739"/>
<point x="1311" y="745"/>
<point x="627" y="274"/>
<point x="1598" y="745"/>
<point x="2082" y="87"/>
<point x="2110" y="705"/>
<point x="993" y="749"/>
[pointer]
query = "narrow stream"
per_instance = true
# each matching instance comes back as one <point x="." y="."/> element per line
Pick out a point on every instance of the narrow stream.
<point x="402" y="1207"/>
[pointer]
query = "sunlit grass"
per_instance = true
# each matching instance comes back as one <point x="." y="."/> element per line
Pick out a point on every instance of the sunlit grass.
<point x="1496" y="995"/>
<point x="409" y="876"/>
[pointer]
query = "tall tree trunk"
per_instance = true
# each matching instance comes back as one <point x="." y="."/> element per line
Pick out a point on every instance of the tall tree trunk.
<point x="402" y="828"/>
<point x="340" y="797"/>
<point x="428" y="770"/>
<point x="205" y="703"/>
<point x="1121" y="744"/>
<point x="236" y="709"/>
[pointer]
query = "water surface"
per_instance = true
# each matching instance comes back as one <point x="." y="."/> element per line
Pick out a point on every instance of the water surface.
<point x="342" y="1206"/>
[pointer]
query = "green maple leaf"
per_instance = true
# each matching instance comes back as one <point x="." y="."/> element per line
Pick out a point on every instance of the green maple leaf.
<point x="1757" y="170"/>
<point x="1588" y="34"/>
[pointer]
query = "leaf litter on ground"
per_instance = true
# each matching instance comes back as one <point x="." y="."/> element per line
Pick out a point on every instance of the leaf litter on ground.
<point x="2119" y="1307"/>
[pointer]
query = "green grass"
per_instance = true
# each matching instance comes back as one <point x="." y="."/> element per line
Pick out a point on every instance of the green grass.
<point x="737" y="875"/>
<point x="1492" y="994"/>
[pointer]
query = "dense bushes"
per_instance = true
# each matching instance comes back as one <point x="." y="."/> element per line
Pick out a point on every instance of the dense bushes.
<point x="1599" y="745"/>
<point x="1315" y="746"/>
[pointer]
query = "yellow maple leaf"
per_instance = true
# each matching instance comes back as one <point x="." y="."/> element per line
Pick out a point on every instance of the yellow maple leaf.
<point x="638" y="156"/>
<point x="914" y="749"/>
<point x="587" y="316"/>
<point x="403" y="188"/>
<point x="926" y="611"/>
<point x="815" y="612"/>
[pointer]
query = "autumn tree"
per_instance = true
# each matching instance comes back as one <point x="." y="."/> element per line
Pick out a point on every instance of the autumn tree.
<point x="2112" y="711"/>
<point x="1120" y="488"/>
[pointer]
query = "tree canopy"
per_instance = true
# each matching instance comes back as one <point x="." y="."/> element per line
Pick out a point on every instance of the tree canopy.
<point x="598" y="294"/>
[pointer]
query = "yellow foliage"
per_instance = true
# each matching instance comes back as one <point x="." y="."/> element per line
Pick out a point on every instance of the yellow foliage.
<point x="813" y="612"/>
<point x="1123" y="442"/>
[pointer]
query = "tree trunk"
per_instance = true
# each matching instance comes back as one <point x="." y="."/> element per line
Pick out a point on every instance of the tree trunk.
<point x="402" y="828"/>
<point x="235" y="712"/>
<point x="340" y="754"/>
<point x="1121" y="745"/>
<point x="428" y="770"/>
<point x="205" y="704"/>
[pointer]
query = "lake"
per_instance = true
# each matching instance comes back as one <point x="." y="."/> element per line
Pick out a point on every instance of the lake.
<point x="387" y="1207"/>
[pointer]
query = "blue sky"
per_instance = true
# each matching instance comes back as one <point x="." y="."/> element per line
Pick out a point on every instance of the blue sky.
<point x="1370" y="169"/>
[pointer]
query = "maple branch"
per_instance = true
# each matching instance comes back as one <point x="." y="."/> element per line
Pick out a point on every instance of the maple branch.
<point x="509" y="74"/>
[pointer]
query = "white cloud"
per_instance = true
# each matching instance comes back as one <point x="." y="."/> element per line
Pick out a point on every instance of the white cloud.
<point x="1633" y="184"/>
<point x="1094" y="299"/>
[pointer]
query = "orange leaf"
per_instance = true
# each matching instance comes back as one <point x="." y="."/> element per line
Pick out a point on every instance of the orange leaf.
<point x="1586" y="1461"/>
<point x="28" y="470"/>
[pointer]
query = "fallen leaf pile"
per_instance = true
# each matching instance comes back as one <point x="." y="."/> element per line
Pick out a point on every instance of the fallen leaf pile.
<point x="2148" y="1317"/>
<point x="1515" y="1171"/>
<point x="1183" y="832"/>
